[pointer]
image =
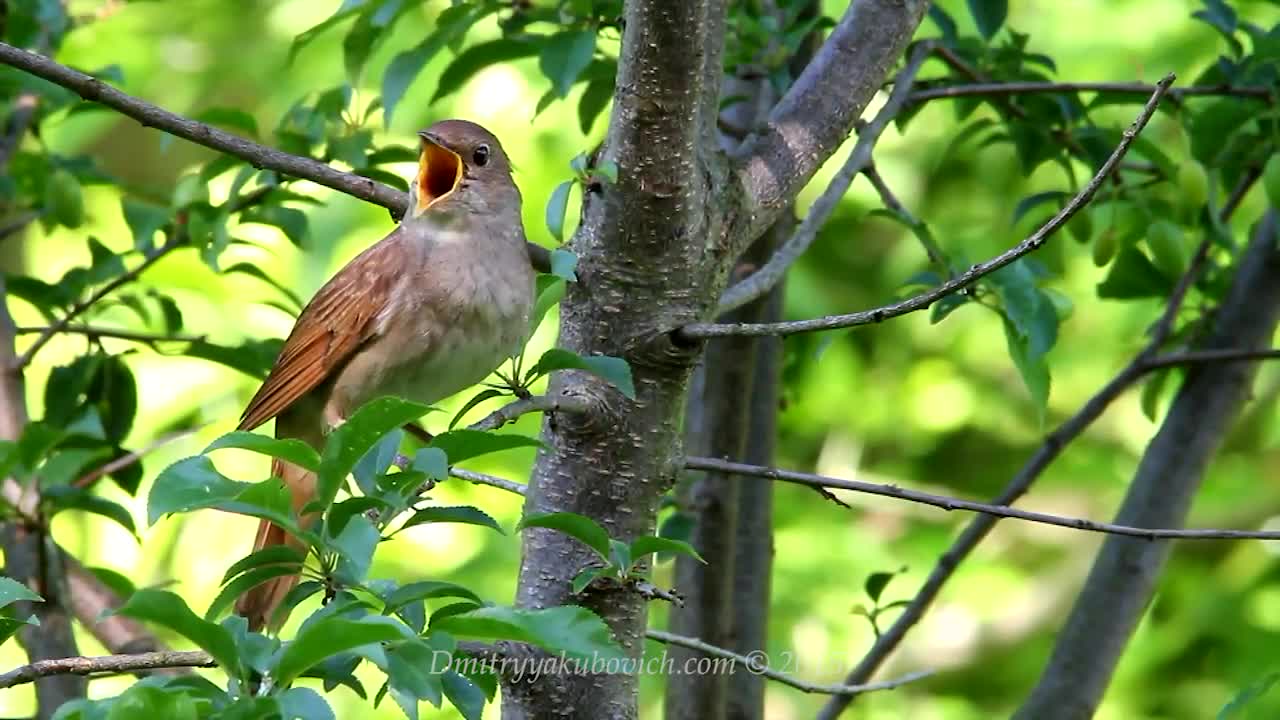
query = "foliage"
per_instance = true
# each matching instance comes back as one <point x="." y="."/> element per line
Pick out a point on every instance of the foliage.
<point x="104" y="223"/>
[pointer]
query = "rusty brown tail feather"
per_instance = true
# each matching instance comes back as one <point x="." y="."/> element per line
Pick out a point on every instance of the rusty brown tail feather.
<point x="260" y="604"/>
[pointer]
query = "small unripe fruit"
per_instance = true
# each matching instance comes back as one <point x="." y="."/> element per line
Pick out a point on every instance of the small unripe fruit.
<point x="63" y="200"/>
<point x="1168" y="250"/>
<point x="1194" y="184"/>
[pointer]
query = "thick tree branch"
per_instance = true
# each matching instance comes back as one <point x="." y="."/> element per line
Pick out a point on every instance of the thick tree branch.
<point x="755" y="664"/>
<point x="817" y="113"/>
<point x="1124" y="574"/>
<point x="105" y="664"/>
<point x="952" y="503"/>
<point x="820" y="109"/>
<point x="759" y="282"/>
<point x="970" y="276"/>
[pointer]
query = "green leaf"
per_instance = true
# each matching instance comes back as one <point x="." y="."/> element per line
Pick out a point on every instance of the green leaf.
<point x="464" y="444"/>
<point x="1248" y="695"/>
<point x="563" y="264"/>
<point x="465" y="514"/>
<point x="642" y="546"/>
<point x="150" y="701"/>
<point x="253" y="358"/>
<point x="404" y="68"/>
<point x="564" y="56"/>
<point x="1132" y="276"/>
<point x="304" y="704"/>
<point x="12" y="591"/>
<point x="63" y="497"/>
<point x="580" y="527"/>
<point x="550" y="290"/>
<point x="557" y="206"/>
<point x="593" y="101"/>
<point x="291" y="450"/>
<point x="194" y="484"/>
<point x="1034" y="370"/>
<point x="467" y="698"/>
<point x="268" y="556"/>
<point x="425" y="590"/>
<point x="411" y="670"/>
<point x="876" y="583"/>
<point x="476" y="400"/>
<point x="573" y="630"/>
<point x="346" y="10"/>
<point x="615" y="370"/>
<point x="170" y="611"/>
<point x="144" y="220"/>
<point x="330" y="636"/>
<point x="351" y="440"/>
<point x="257" y="272"/>
<point x="1027" y="307"/>
<point x="478" y="57"/>
<point x="585" y="578"/>
<point x="246" y="582"/>
<point x="355" y="546"/>
<point x="989" y="15"/>
<point x="291" y="221"/>
<point x="432" y="462"/>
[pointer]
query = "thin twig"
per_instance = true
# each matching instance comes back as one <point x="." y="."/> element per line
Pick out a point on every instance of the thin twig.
<point x="970" y="276"/>
<point x="891" y="201"/>
<point x="176" y="241"/>
<point x="17" y="223"/>
<point x="757" y="663"/>
<point x="761" y="281"/>
<point x="538" y="403"/>
<point x="108" y="664"/>
<point x="1108" y="88"/>
<point x="128" y="459"/>
<point x="491" y="480"/>
<point x="94" y="332"/>
<point x="949" y="503"/>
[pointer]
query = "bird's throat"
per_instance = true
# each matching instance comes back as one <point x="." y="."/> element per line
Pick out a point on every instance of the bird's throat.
<point x="439" y="172"/>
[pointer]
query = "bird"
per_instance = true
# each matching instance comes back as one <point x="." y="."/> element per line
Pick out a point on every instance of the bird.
<point x="431" y="309"/>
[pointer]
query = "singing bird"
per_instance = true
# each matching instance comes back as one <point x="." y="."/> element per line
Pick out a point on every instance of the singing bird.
<point x="429" y="310"/>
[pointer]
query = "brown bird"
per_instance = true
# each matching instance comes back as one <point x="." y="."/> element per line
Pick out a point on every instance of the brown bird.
<point x="428" y="311"/>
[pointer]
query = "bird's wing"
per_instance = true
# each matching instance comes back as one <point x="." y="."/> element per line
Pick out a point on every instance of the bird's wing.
<point x="337" y="321"/>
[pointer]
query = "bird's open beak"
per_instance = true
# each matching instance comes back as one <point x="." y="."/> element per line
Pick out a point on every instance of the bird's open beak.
<point x="439" y="171"/>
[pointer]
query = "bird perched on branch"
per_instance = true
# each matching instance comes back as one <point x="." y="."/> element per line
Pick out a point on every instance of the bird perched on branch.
<point x="429" y="310"/>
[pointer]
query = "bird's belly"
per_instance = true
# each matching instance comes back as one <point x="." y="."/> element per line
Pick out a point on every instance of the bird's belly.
<point x="455" y="362"/>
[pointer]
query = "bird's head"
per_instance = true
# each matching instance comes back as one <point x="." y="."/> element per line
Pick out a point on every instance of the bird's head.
<point x="461" y="165"/>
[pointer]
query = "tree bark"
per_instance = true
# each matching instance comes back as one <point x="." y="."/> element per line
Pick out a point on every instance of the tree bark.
<point x="1124" y="575"/>
<point x="654" y="250"/>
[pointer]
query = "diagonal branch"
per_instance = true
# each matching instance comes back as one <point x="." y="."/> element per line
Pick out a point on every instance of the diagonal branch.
<point x="93" y="332"/>
<point x="260" y="156"/>
<point x="761" y="281"/>
<point x="817" y="113"/>
<point x="924" y="300"/>
<point x="94" y="90"/>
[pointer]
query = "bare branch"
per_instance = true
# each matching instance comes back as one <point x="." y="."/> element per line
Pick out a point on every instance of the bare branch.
<point x="93" y="332"/>
<point x="819" y="110"/>
<point x="510" y="486"/>
<point x="759" y="282"/>
<point x="952" y="503"/>
<point x="176" y="241"/>
<point x="754" y="664"/>
<point x="1053" y="445"/>
<point x="105" y="664"/>
<point x="1108" y="88"/>
<point x="94" y="90"/>
<point x="970" y="276"/>
<point x="538" y="403"/>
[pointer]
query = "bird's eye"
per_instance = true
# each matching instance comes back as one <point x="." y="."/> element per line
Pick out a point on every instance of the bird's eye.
<point x="481" y="156"/>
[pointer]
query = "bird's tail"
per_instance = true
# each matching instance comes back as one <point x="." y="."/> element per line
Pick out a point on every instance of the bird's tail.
<point x="261" y="604"/>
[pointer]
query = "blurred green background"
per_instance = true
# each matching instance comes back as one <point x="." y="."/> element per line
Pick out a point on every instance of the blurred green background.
<point x="938" y="408"/>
